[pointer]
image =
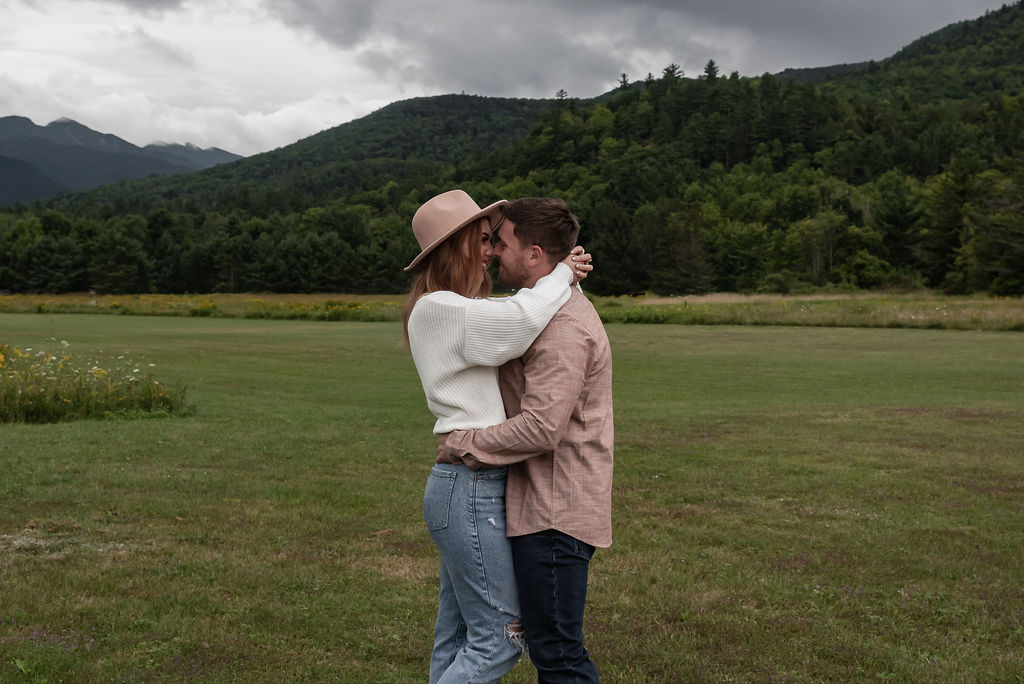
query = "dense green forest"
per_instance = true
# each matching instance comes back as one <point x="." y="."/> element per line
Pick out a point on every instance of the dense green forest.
<point x="904" y="173"/>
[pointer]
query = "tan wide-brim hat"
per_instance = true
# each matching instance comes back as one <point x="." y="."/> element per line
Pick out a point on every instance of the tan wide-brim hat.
<point x="442" y="216"/>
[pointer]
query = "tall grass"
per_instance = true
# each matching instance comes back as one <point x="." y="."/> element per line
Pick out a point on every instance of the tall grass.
<point x="852" y="311"/>
<point x="38" y="386"/>
<point x="871" y="310"/>
<point x="790" y="505"/>
<point x="285" y="307"/>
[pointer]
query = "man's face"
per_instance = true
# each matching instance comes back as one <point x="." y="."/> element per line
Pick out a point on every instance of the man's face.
<point x="511" y="255"/>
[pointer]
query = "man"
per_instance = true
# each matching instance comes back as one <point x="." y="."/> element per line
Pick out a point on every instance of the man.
<point x="558" y="443"/>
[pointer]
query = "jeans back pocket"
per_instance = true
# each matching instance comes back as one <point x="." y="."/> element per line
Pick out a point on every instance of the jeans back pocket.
<point x="437" y="499"/>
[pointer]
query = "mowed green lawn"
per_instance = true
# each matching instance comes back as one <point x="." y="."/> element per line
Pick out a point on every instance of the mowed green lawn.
<point x="791" y="505"/>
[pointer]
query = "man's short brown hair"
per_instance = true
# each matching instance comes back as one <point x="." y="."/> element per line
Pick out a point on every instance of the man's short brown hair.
<point x="545" y="222"/>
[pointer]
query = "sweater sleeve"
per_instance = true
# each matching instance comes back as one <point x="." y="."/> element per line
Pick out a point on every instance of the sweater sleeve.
<point x="498" y="330"/>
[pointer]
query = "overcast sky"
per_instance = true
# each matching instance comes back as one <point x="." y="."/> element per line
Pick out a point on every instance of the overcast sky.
<point x="253" y="75"/>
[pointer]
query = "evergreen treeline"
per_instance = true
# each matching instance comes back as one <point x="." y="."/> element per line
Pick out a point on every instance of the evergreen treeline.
<point x="682" y="184"/>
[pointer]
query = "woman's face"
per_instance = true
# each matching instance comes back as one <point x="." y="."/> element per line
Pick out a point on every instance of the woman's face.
<point x="486" y="250"/>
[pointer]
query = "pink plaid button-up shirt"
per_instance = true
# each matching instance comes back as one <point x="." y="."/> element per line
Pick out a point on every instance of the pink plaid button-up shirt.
<point x="558" y="439"/>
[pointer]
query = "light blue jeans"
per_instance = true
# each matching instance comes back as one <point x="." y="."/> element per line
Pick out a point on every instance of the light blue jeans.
<point x="478" y="603"/>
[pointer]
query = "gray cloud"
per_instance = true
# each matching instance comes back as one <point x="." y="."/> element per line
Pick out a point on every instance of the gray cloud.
<point x="147" y="6"/>
<point x="163" y="50"/>
<point x="484" y="47"/>
<point x="533" y="47"/>
<point x="344" y="24"/>
<point x="501" y="50"/>
<point x="795" y="32"/>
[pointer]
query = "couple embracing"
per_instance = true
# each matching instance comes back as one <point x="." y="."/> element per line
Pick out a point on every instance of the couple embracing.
<point x="521" y="386"/>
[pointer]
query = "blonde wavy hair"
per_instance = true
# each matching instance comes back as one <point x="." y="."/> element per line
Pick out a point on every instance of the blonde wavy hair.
<point x="452" y="266"/>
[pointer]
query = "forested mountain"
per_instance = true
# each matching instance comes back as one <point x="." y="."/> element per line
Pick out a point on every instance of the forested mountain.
<point x="64" y="154"/>
<point x="904" y="173"/>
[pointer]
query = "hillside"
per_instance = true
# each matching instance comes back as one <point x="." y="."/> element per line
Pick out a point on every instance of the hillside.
<point x="683" y="185"/>
<point x="21" y="182"/>
<point x="443" y="128"/>
<point x="967" y="60"/>
<point x="820" y="74"/>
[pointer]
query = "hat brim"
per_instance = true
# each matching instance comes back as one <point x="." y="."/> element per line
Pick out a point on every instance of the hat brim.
<point x="490" y="211"/>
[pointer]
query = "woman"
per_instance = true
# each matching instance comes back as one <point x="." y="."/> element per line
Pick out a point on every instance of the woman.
<point x="458" y="338"/>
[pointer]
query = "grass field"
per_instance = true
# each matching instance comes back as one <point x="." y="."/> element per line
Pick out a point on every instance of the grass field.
<point x="791" y="505"/>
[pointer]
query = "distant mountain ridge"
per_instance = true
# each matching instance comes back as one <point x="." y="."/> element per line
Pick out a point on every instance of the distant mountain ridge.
<point x="191" y="155"/>
<point x="37" y="162"/>
<point x="417" y="136"/>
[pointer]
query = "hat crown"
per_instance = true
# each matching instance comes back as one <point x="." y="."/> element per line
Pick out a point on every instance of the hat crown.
<point x="436" y="218"/>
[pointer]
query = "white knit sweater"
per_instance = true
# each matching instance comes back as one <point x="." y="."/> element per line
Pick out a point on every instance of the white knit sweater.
<point x="458" y="343"/>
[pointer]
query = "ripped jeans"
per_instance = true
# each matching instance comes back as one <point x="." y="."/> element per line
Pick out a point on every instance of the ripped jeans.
<point x="478" y="636"/>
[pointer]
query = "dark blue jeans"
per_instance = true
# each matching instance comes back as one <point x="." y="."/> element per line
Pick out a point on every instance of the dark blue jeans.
<point x="551" y="575"/>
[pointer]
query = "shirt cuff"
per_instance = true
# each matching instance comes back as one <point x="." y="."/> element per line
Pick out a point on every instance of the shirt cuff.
<point x="572" y="276"/>
<point x="454" y="445"/>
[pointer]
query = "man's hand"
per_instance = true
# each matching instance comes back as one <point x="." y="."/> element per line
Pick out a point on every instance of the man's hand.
<point x="444" y="457"/>
<point x="471" y="463"/>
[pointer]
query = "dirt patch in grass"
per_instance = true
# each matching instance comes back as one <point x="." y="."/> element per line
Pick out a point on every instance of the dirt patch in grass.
<point x="1006" y="484"/>
<point x="396" y="558"/>
<point x="209" y="660"/>
<point x="946" y="412"/>
<point x="801" y="561"/>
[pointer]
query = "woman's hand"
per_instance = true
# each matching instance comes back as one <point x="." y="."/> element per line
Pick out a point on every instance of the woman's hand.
<point x="579" y="261"/>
